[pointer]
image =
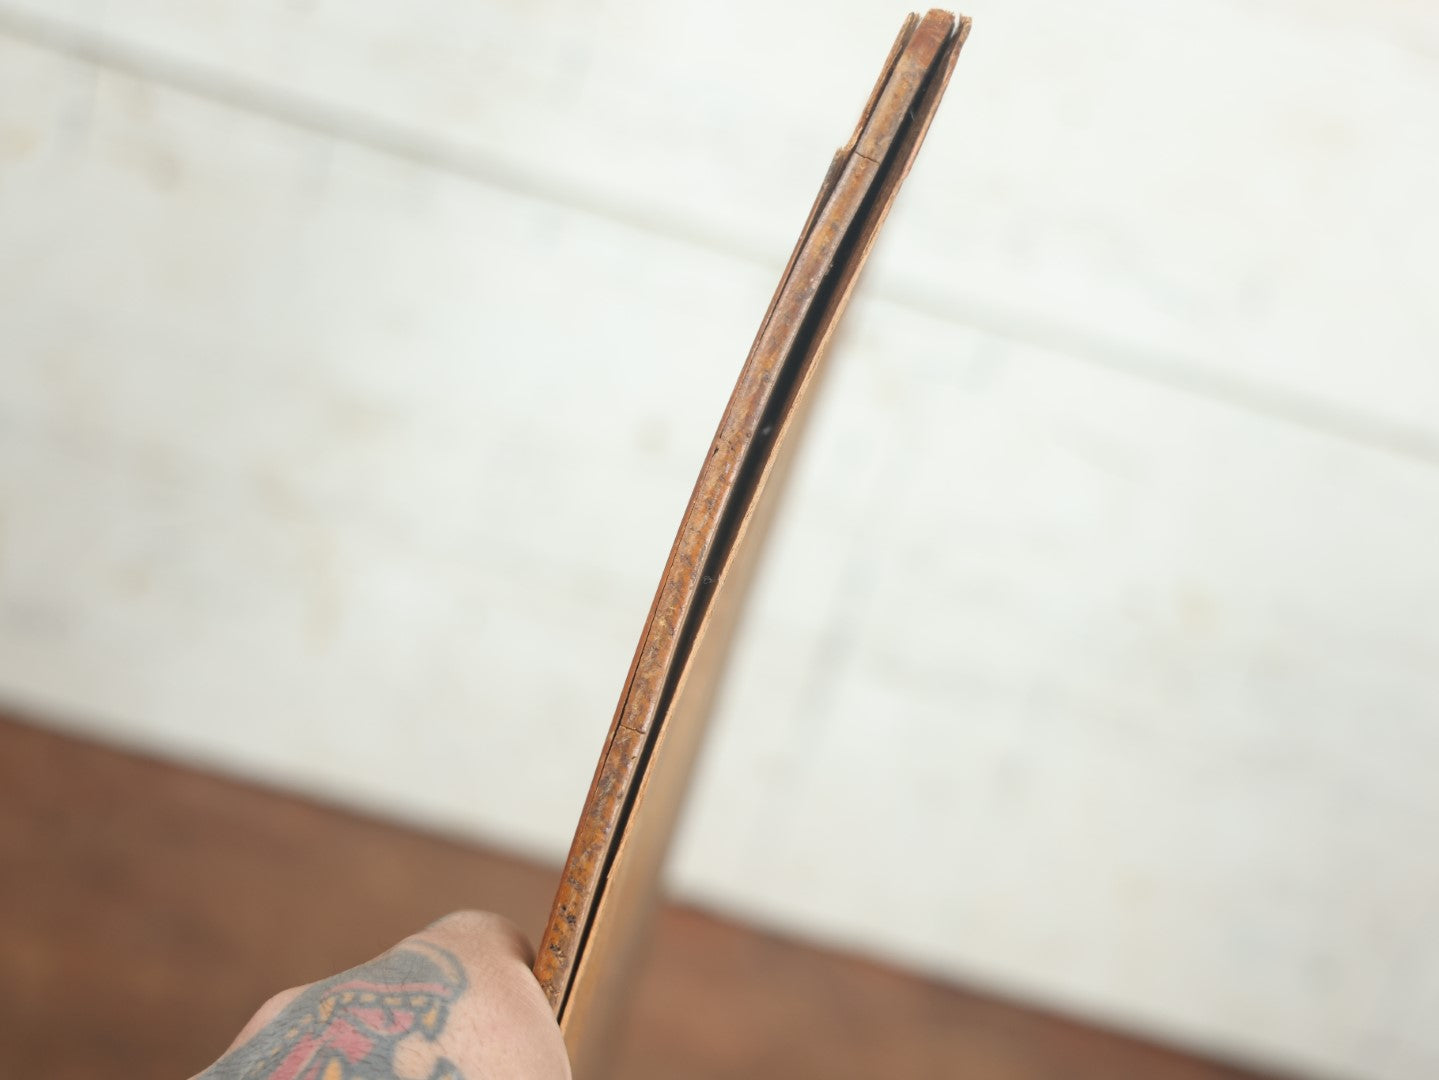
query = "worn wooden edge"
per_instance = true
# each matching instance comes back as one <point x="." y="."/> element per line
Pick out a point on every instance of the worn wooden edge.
<point x="851" y="205"/>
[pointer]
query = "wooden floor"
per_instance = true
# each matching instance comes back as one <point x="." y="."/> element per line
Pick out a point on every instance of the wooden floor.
<point x="147" y="909"/>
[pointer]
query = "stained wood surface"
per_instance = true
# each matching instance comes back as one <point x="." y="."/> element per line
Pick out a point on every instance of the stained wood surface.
<point x="146" y="910"/>
<point x="1071" y="232"/>
<point x="609" y="879"/>
<point x="1125" y="574"/>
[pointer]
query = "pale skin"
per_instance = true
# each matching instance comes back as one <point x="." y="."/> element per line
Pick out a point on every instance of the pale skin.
<point x="456" y="1001"/>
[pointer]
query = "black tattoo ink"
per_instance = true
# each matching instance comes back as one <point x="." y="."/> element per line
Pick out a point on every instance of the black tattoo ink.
<point x="348" y="1027"/>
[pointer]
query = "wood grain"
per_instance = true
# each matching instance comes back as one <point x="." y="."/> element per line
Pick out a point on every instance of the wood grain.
<point x="1126" y="593"/>
<point x="1070" y="226"/>
<point x="147" y="909"/>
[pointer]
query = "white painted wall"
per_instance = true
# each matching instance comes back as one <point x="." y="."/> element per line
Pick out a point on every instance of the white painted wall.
<point x="356" y="360"/>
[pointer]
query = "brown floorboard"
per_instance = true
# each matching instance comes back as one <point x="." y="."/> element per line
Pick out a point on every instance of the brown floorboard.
<point x="147" y="909"/>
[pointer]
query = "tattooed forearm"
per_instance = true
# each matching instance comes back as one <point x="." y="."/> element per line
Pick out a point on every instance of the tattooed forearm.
<point x="379" y="1021"/>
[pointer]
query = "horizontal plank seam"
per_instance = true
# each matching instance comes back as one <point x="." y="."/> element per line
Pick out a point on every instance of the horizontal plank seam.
<point x="1153" y="365"/>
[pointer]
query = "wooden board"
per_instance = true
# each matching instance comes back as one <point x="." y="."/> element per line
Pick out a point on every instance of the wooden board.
<point x="1169" y="233"/>
<point x="274" y="421"/>
<point x="608" y="885"/>
<point x="131" y="882"/>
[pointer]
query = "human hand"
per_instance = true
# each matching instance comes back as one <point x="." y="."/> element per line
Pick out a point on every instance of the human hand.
<point x="456" y="1001"/>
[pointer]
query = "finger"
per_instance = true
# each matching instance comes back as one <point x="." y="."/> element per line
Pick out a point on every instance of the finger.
<point x="486" y="940"/>
<point x="264" y="1014"/>
<point x="457" y="998"/>
<point x="489" y="937"/>
<point x="503" y="1024"/>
